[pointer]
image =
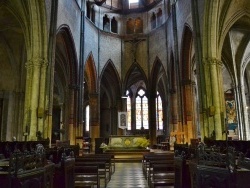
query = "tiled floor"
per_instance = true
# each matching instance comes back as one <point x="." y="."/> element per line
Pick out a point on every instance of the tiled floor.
<point x="128" y="175"/>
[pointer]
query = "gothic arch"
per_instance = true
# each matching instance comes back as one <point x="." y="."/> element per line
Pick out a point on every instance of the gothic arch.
<point x="159" y="83"/>
<point x="90" y="74"/>
<point x="134" y="74"/>
<point x="187" y="83"/>
<point x="65" y="86"/>
<point x="236" y="60"/>
<point x="69" y="44"/>
<point x="110" y="80"/>
<point x="31" y="48"/>
<point x="158" y="75"/>
<point x="90" y="79"/>
<point x="110" y="95"/>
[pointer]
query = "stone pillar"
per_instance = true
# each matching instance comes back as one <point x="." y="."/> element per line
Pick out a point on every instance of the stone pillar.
<point x="152" y="119"/>
<point x="32" y="96"/>
<point x="41" y="100"/>
<point x="174" y="112"/>
<point x="94" y="118"/>
<point x="189" y="111"/>
<point x="215" y="98"/>
<point x="72" y="125"/>
<point x="27" y="111"/>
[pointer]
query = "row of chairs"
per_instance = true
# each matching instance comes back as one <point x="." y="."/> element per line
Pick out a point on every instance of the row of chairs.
<point x="158" y="169"/>
<point x="90" y="169"/>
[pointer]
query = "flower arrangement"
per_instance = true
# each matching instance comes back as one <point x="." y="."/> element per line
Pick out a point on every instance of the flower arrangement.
<point x="104" y="146"/>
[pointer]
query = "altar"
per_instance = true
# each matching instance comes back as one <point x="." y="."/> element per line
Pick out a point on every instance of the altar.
<point x="127" y="148"/>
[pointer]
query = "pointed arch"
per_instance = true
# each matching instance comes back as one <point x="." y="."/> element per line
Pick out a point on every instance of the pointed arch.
<point x="14" y="48"/>
<point x="110" y="77"/>
<point x="90" y="74"/>
<point x="134" y="74"/>
<point x="66" y="38"/>
<point x="64" y="108"/>
<point x="187" y="40"/>
<point x="159" y="87"/>
<point x="158" y="75"/>
<point x="187" y="93"/>
<point x="110" y="95"/>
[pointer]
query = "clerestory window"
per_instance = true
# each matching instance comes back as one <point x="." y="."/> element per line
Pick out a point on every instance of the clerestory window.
<point x="133" y="4"/>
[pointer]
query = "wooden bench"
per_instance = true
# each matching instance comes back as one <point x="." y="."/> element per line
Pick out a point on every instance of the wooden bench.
<point x="103" y="164"/>
<point x="215" y="169"/>
<point x="161" y="174"/>
<point x="27" y="169"/>
<point x="149" y="157"/>
<point x="182" y="175"/>
<point x="112" y="156"/>
<point x="86" y="175"/>
<point x="64" y="176"/>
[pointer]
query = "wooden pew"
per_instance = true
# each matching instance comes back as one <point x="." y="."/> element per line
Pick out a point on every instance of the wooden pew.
<point x="103" y="164"/>
<point x="150" y="157"/>
<point x="112" y="156"/>
<point x="214" y="169"/>
<point x="182" y="175"/>
<point x="27" y="169"/>
<point x="64" y="176"/>
<point x="86" y="175"/>
<point x="161" y="174"/>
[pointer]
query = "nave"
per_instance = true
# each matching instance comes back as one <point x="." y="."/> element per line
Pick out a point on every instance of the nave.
<point x="129" y="175"/>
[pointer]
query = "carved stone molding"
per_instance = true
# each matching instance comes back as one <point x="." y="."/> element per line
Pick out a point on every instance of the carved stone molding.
<point x="36" y="62"/>
<point x="212" y="61"/>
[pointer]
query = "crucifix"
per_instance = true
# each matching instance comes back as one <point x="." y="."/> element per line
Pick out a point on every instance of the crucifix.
<point x="134" y="42"/>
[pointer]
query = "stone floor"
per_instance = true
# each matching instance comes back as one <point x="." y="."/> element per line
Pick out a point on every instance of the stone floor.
<point x="128" y="175"/>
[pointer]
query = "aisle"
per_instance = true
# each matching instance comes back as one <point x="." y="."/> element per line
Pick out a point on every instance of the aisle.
<point x="128" y="175"/>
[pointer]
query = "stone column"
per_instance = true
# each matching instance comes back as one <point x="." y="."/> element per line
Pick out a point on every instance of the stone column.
<point x="189" y="111"/>
<point x="94" y="118"/>
<point x="174" y="111"/>
<point x="72" y="125"/>
<point x="152" y="119"/>
<point x="32" y="96"/>
<point x="41" y="100"/>
<point x="215" y="97"/>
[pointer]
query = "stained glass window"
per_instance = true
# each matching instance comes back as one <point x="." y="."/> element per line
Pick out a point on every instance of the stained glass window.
<point x="145" y="112"/>
<point x="128" y="113"/>
<point x="159" y="113"/>
<point x="141" y="110"/>
<point x="87" y="118"/>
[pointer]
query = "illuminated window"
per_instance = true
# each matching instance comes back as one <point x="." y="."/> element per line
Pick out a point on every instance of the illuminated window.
<point x="133" y="4"/>
<point x="87" y="118"/>
<point x="129" y="113"/>
<point x="159" y="113"/>
<point x="141" y="105"/>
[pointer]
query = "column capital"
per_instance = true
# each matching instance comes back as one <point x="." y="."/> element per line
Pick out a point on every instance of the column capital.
<point x="212" y="61"/>
<point x="36" y="61"/>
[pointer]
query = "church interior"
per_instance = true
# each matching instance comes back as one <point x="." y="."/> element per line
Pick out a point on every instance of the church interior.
<point x="124" y="80"/>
